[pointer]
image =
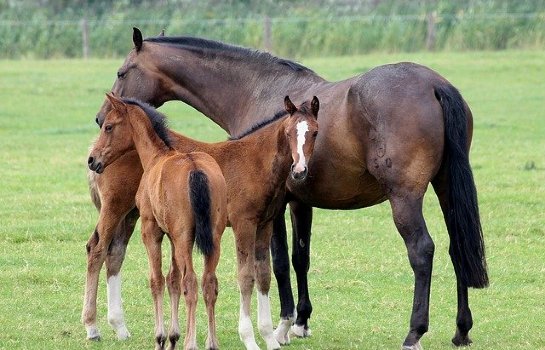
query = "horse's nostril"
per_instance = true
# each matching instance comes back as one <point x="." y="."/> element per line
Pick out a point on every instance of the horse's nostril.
<point x="96" y="121"/>
<point x="90" y="160"/>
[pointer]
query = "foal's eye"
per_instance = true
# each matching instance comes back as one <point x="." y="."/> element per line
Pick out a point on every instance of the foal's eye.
<point x="108" y="128"/>
<point x="314" y="134"/>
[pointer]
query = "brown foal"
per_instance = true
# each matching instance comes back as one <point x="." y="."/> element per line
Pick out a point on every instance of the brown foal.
<point x="181" y="194"/>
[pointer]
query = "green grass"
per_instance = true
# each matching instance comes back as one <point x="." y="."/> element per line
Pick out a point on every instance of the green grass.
<point x="360" y="279"/>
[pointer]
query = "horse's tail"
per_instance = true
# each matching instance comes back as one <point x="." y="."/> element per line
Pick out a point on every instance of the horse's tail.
<point x="462" y="215"/>
<point x="199" y="196"/>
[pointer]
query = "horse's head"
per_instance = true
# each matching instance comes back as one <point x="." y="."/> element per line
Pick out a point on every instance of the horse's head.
<point x="136" y="78"/>
<point x="115" y="138"/>
<point x="301" y="133"/>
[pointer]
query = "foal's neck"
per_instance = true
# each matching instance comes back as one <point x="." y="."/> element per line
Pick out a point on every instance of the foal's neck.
<point x="146" y="141"/>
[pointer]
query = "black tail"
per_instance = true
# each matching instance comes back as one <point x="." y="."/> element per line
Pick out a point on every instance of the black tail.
<point x="199" y="196"/>
<point x="462" y="217"/>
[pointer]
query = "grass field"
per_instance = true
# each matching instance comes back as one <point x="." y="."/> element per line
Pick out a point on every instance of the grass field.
<point x="360" y="279"/>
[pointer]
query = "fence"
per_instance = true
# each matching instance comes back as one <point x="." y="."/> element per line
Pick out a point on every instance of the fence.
<point x="291" y="37"/>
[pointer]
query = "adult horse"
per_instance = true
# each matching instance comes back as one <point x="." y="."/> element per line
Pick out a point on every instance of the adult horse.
<point x="389" y="132"/>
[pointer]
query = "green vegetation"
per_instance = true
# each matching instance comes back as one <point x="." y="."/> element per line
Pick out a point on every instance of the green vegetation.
<point x="46" y="29"/>
<point x="360" y="279"/>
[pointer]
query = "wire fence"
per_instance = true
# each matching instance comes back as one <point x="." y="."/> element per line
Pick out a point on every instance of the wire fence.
<point x="291" y="36"/>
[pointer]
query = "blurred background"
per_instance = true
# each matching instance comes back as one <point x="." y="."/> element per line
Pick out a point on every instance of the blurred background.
<point x="99" y="29"/>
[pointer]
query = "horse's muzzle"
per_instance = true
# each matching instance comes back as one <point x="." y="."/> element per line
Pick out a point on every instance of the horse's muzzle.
<point x="94" y="165"/>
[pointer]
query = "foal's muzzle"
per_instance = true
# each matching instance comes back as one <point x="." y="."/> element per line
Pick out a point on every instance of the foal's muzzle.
<point x="94" y="165"/>
<point x="299" y="175"/>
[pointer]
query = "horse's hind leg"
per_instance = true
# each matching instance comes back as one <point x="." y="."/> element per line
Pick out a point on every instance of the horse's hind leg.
<point x="301" y="219"/>
<point x="190" y="289"/>
<point x="210" y="292"/>
<point x="114" y="261"/>
<point x="407" y="214"/>
<point x="464" y="319"/>
<point x="152" y="238"/>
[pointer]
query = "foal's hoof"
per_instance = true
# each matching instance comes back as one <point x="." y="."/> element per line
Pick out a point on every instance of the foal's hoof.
<point x="300" y="331"/>
<point x="416" y="346"/>
<point x="95" y="338"/>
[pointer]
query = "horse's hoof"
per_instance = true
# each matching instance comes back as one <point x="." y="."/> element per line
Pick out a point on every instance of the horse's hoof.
<point x="461" y="340"/>
<point x="300" y="331"/>
<point x="123" y="333"/>
<point x="95" y="338"/>
<point x="93" y="334"/>
<point x="416" y="346"/>
<point x="281" y="333"/>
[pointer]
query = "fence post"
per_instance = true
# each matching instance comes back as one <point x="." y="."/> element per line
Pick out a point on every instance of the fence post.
<point x="267" y="36"/>
<point x="85" y="37"/>
<point x="431" y="19"/>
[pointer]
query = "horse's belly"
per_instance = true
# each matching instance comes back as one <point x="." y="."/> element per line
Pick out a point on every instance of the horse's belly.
<point x="338" y="189"/>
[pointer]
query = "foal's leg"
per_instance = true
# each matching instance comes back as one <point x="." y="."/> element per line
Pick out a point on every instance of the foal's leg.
<point x="189" y="287"/>
<point x="152" y="237"/>
<point x="407" y="213"/>
<point x="281" y="268"/>
<point x="301" y="220"/>
<point x="263" y="278"/>
<point x="245" y="232"/>
<point x="97" y="249"/>
<point x="174" y="291"/>
<point x="464" y="319"/>
<point x="114" y="260"/>
<point x="210" y="291"/>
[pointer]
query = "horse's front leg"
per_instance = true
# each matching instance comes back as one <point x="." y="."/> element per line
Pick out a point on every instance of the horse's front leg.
<point x="263" y="278"/>
<point x="407" y="214"/>
<point x="245" y="231"/>
<point x="97" y="249"/>
<point x="114" y="261"/>
<point x="301" y="220"/>
<point x="281" y="268"/>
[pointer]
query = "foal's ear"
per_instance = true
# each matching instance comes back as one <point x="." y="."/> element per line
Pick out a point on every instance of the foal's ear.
<point x="137" y="38"/>
<point x="290" y="107"/>
<point x="117" y="104"/>
<point x="315" y="106"/>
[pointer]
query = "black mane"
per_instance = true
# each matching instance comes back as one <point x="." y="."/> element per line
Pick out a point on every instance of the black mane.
<point x="158" y="120"/>
<point x="260" y="125"/>
<point x="203" y="45"/>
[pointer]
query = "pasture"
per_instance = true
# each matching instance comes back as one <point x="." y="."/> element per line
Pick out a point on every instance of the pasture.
<point x="360" y="279"/>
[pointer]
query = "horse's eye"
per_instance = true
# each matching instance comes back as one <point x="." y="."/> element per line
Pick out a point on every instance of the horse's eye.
<point x="315" y="134"/>
<point x="108" y="128"/>
<point x="120" y="74"/>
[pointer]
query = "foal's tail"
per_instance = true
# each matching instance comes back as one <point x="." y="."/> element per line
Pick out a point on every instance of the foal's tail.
<point x="199" y="196"/>
<point x="462" y="215"/>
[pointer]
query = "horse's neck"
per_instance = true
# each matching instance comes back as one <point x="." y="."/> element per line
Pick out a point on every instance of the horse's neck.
<point x="236" y="93"/>
<point x="148" y="145"/>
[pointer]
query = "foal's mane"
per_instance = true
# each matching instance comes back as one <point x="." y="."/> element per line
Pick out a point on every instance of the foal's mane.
<point x="157" y="119"/>
<point x="206" y="45"/>
<point x="304" y="108"/>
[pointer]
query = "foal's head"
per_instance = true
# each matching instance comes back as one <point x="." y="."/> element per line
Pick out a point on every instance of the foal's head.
<point x="301" y="132"/>
<point x="115" y="135"/>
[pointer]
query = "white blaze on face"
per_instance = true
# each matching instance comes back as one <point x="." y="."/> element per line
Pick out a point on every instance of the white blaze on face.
<point x="302" y="128"/>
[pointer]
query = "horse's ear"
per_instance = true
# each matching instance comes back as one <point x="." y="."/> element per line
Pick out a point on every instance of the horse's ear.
<point x="137" y="38"/>
<point x="162" y="32"/>
<point x="290" y="107"/>
<point x="117" y="103"/>
<point x="315" y="106"/>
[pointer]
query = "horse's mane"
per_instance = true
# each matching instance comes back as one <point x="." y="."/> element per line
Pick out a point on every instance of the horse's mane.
<point x="259" y="125"/>
<point x="157" y="119"/>
<point x="203" y="45"/>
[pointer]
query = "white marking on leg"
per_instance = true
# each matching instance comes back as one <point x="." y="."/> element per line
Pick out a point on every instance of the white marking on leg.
<point x="282" y="331"/>
<point x="302" y="128"/>
<point x="245" y="329"/>
<point x="264" y="321"/>
<point x="115" y="307"/>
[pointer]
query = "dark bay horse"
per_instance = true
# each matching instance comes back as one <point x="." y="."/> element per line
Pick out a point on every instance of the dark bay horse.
<point x="389" y="132"/>
<point x="181" y="194"/>
<point x="255" y="166"/>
